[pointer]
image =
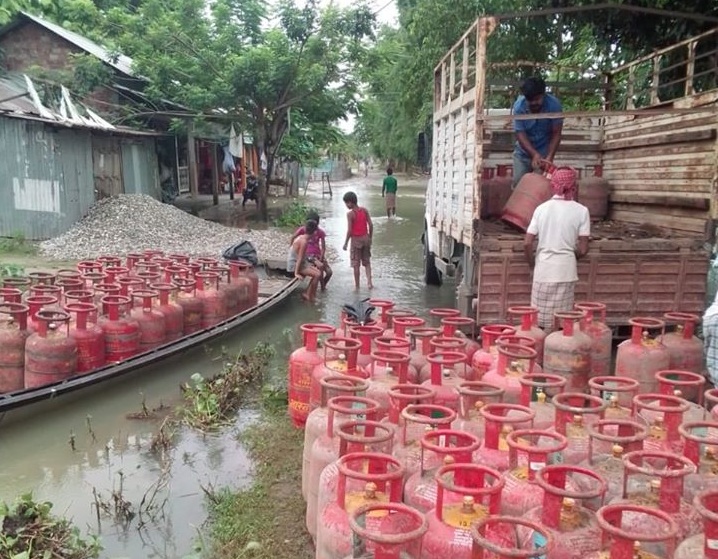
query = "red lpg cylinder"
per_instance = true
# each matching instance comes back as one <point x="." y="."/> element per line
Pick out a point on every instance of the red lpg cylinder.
<point x="438" y="448"/>
<point x="340" y="358"/>
<point x="711" y="402"/>
<point x="465" y="493"/>
<point x="132" y="259"/>
<point x="452" y="327"/>
<point x="655" y="480"/>
<point x="153" y="326"/>
<point x="350" y="437"/>
<point x="367" y="336"/>
<point x="93" y="278"/>
<point x="663" y="414"/>
<point x="89" y="266"/>
<point x="568" y="352"/>
<point x="89" y="337"/>
<point x="537" y="392"/>
<point x="608" y="440"/>
<point x="122" y="333"/>
<point x="108" y="261"/>
<point x="421" y="341"/>
<point x="474" y="395"/>
<point x="700" y="446"/>
<point x="13" y="335"/>
<point x="176" y="271"/>
<point x="102" y="289"/>
<point x="214" y="303"/>
<point x="245" y="286"/>
<point x="499" y="421"/>
<point x="316" y="425"/>
<point x="384" y="306"/>
<point x="68" y="273"/>
<point x="10" y="295"/>
<point x="50" y="353"/>
<point x="403" y="325"/>
<point x="529" y="193"/>
<point x="37" y="303"/>
<point x="156" y="277"/>
<point x="301" y="365"/>
<point x="439" y="313"/>
<point x="116" y="272"/>
<point x="345" y="325"/>
<point x="444" y="378"/>
<point x="703" y="545"/>
<point x="388" y="368"/>
<point x="170" y="309"/>
<point x="247" y="271"/>
<point x="530" y="450"/>
<point x="232" y="292"/>
<point x="191" y="305"/>
<point x="179" y="258"/>
<point x="687" y="385"/>
<point x="387" y="531"/>
<point x="442" y="344"/>
<point x="567" y="513"/>
<point x="574" y="413"/>
<point x="642" y="357"/>
<point x="540" y="546"/>
<point x="595" y="327"/>
<point x="486" y="356"/>
<point x="633" y="531"/>
<point x="69" y="284"/>
<point x="528" y="317"/>
<point x="364" y="478"/>
<point x="42" y="278"/>
<point x="403" y="346"/>
<point x="46" y="289"/>
<point x="82" y="296"/>
<point x="128" y="284"/>
<point x="618" y="392"/>
<point x="23" y="284"/>
<point x="415" y="420"/>
<point x="396" y="313"/>
<point x="684" y="347"/>
<point x="510" y="368"/>
<point x="403" y="395"/>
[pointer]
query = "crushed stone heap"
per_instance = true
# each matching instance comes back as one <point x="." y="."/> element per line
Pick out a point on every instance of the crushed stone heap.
<point x="134" y="222"/>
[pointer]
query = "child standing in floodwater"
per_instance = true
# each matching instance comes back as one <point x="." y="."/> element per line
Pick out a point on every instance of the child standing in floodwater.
<point x="360" y="231"/>
<point x="388" y="192"/>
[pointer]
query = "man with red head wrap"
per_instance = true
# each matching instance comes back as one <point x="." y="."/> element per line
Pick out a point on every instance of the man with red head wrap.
<point x="563" y="227"/>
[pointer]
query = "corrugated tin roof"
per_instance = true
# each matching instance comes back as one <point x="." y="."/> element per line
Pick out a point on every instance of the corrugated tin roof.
<point x="121" y="63"/>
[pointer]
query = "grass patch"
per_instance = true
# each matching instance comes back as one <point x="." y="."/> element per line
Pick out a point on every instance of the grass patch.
<point x="17" y="244"/>
<point x="294" y="214"/>
<point x="265" y="521"/>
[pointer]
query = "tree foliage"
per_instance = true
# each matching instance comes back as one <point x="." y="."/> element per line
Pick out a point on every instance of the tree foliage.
<point x="400" y="77"/>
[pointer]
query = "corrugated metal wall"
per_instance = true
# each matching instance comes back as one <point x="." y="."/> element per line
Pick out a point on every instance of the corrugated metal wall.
<point x="46" y="180"/>
<point x="140" y="170"/>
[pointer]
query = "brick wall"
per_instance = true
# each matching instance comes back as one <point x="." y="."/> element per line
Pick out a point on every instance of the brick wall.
<point x="31" y="44"/>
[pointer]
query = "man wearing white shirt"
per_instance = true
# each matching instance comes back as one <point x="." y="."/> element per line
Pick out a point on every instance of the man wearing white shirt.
<point x="710" y="340"/>
<point x="562" y="227"/>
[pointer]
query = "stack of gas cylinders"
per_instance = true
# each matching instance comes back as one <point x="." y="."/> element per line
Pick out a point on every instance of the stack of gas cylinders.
<point x="420" y="443"/>
<point x="54" y="326"/>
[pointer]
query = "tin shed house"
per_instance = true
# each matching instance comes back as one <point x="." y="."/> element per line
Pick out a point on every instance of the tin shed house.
<point x="57" y="159"/>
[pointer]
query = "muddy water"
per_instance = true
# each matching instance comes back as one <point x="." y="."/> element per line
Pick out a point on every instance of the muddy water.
<point x="112" y="451"/>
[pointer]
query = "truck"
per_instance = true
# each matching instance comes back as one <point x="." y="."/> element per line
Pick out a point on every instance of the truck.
<point x="647" y="127"/>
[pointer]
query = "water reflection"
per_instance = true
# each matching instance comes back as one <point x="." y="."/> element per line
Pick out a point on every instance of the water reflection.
<point x="35" y="449"/>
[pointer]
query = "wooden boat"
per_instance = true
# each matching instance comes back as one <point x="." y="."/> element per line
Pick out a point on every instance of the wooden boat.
<point x="272" y="291"/>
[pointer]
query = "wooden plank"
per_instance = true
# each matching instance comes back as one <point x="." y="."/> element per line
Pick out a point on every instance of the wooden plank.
<point x="673" y="138"/>
<point x="662" y="126"/>
<point x="702" y="203"/>
<point x="692" y="225"/>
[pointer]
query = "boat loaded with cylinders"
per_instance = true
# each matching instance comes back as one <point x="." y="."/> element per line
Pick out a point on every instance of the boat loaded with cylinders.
<point x="73" y="328"/>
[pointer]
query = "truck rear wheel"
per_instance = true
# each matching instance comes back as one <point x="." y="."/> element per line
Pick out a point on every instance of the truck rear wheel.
<point x="432" y="276"/>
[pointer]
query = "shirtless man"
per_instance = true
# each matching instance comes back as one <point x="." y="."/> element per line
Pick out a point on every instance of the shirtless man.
<point x="298" y="263"/>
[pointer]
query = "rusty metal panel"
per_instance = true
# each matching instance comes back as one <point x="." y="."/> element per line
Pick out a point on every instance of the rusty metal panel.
<point x="140" y="169"/>
<point x="46" y="175"/>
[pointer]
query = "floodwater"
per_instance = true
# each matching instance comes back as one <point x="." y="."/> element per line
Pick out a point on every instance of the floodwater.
<point x="113" y="453"/>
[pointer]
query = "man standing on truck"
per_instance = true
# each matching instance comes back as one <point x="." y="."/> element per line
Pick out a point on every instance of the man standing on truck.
<point x="562" y="226"/>
<point x="537" y="140"/>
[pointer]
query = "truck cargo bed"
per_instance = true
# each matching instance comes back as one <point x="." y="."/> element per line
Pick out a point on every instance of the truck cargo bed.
<point x="636" y="270"/>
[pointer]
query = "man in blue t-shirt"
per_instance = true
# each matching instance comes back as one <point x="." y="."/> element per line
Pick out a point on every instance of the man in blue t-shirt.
<point x="536" y="139"/>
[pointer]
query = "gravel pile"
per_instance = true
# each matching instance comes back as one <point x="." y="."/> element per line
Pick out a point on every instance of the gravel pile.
<point x="135" y="222"/>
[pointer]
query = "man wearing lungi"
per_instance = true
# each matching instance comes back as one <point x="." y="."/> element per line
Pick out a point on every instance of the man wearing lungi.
<point x="563" y="227"/>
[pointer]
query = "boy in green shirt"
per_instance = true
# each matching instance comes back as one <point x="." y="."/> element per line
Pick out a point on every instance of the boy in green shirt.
<point x="388" y="191"/>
